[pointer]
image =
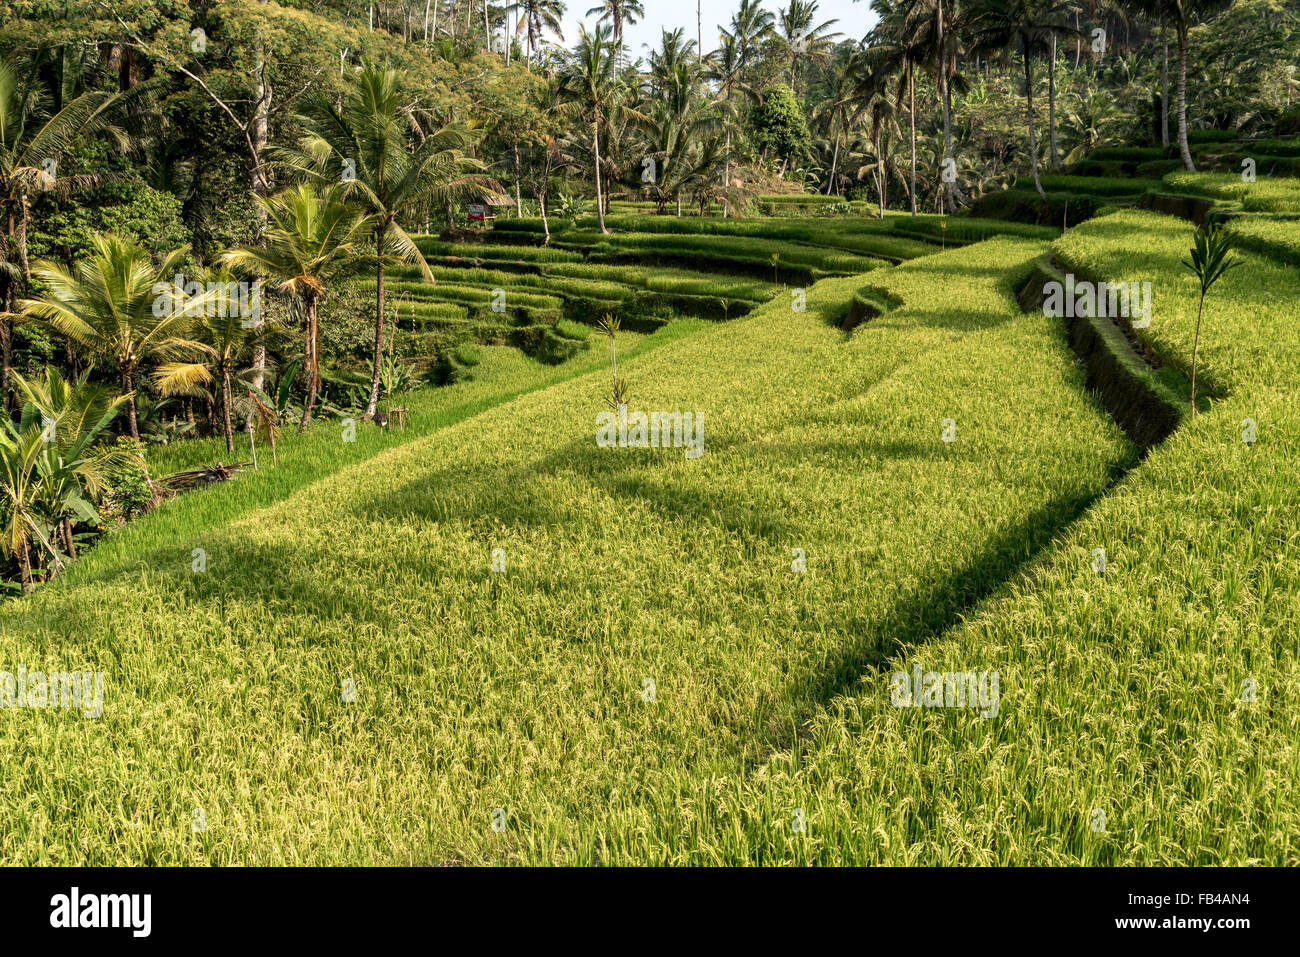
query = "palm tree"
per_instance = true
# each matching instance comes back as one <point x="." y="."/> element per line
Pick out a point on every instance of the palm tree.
<point x="224" y="342"/>
<point x="538" y="17"/>
<point x="674" y="50"/>
<point x="679" y="128"/>
<point x="803" y="38"/>
<point x="47" y="467"/>
<point x="1024" y="26"/>
<point x="593" y="92"/>
<point x="723" y="69"/>
<point x="37" y="127"/>
<point x="118" y="304"/>
<point x="900" y="49"/>
<point x="1182" y="13"/>
<point x="20" y="449"/>
<point x="311" y="237"/>
<point x="619" y="12"/>
<point x="938" y="26"/>
<point x="879" y="155"/>
<point x="750" y="26"/>
<point x="839" y="110"/>
<point x="365" y="147"/>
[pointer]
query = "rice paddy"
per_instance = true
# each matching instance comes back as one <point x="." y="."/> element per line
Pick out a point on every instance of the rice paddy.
<point x="487" y="639"/>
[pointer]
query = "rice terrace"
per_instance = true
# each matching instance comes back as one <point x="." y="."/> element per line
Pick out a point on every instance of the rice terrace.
<point x="470" y="433"/>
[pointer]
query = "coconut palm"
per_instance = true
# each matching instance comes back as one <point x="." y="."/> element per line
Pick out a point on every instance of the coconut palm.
<point x="899" y="49"/>
<point x="48" y="466"/>
<point x="223" y="343"/>
<point x="619" y="12"/>
<point x="311" y="237"/>
<point x="119" y="304"/>
<point x="365" y="145"/>
<point x="1182" y="13"/>
<point x="37" y="127"/>
<point x="723" y="70"/>
<point x="750" y="26"/>
<point x="593" y="94"/>
<point x="538" y="18"/>
<point x="1024" y="26"/>
<point x="71" y="471"/>
<point x="803" y="37"/>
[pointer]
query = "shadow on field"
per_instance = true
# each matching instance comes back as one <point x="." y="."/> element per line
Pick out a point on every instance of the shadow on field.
<point x="928" y="611"/>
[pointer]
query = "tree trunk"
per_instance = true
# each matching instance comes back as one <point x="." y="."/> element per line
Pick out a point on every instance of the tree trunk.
<point x="128" y="388"/>
<point x="880" y="177"/>
<point x="546" y="226"/>
<point x="226" y="403"/>
<point x="835" y="160"/>
<point x="24" y="568"/>
<point x="258" y="134"/>
<point x="1183" y="150"/>
<point x="7" y="323"/>
<point x="595" y="149"/>
<point x="726" y="170"/>
<point x="313" y="360"/>
<point x="1029" y="113"/>
<point x="1051" y="107"/>
<point x="945" y="100"/>
<point x="68" y="543"/>
<point x="519" y="202"/>
<point x="373" y="401"/>
<point x="1164" y="83"/>
<point x="911" y="122"/>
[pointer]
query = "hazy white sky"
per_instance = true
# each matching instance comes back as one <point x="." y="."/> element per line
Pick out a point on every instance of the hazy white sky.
<point x="854" y="19"/>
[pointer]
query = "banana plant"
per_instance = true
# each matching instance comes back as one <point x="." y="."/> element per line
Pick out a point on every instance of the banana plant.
<point x="50" y="472"/>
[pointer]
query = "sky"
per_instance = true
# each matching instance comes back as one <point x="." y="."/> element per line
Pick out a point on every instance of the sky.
<point x="854" y="19"/>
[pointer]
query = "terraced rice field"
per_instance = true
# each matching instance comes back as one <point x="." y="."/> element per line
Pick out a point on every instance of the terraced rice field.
<point x="627" y="655"/>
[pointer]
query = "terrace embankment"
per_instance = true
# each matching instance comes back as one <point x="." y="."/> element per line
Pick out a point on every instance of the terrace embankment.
<point x="1145" y="407"/>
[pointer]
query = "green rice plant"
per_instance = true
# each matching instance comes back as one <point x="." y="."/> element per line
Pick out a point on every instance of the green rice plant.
<point x="1278" y="195"/>
<point x="1276" y="238"/>
<point x="1094" y="185"/>
<point x="894" y="520"/>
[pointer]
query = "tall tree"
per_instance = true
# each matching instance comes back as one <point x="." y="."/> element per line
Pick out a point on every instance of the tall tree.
<point x="37" y="127"/>
<point x="311" y="238"/>
<point x="618" y="13"/>
<point x="1024" y="27"/>
<point x="366" y="147"/>
<point x="1182" y="14"/>
<point x="536" y="19"/>
<point x="593" y="94"/>
<point x="899" y="48"/>
<point x="121" y="305"/>
<point x="803" y="37"/>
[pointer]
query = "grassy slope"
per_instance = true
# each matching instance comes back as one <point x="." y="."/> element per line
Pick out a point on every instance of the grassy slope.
<point x="524" y="691"/>
<point x="1121" y="693"/>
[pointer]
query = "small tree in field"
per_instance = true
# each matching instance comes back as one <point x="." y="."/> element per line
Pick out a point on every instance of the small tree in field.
<point x="609" y="325"/>
<point x="1209" y="262"/>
